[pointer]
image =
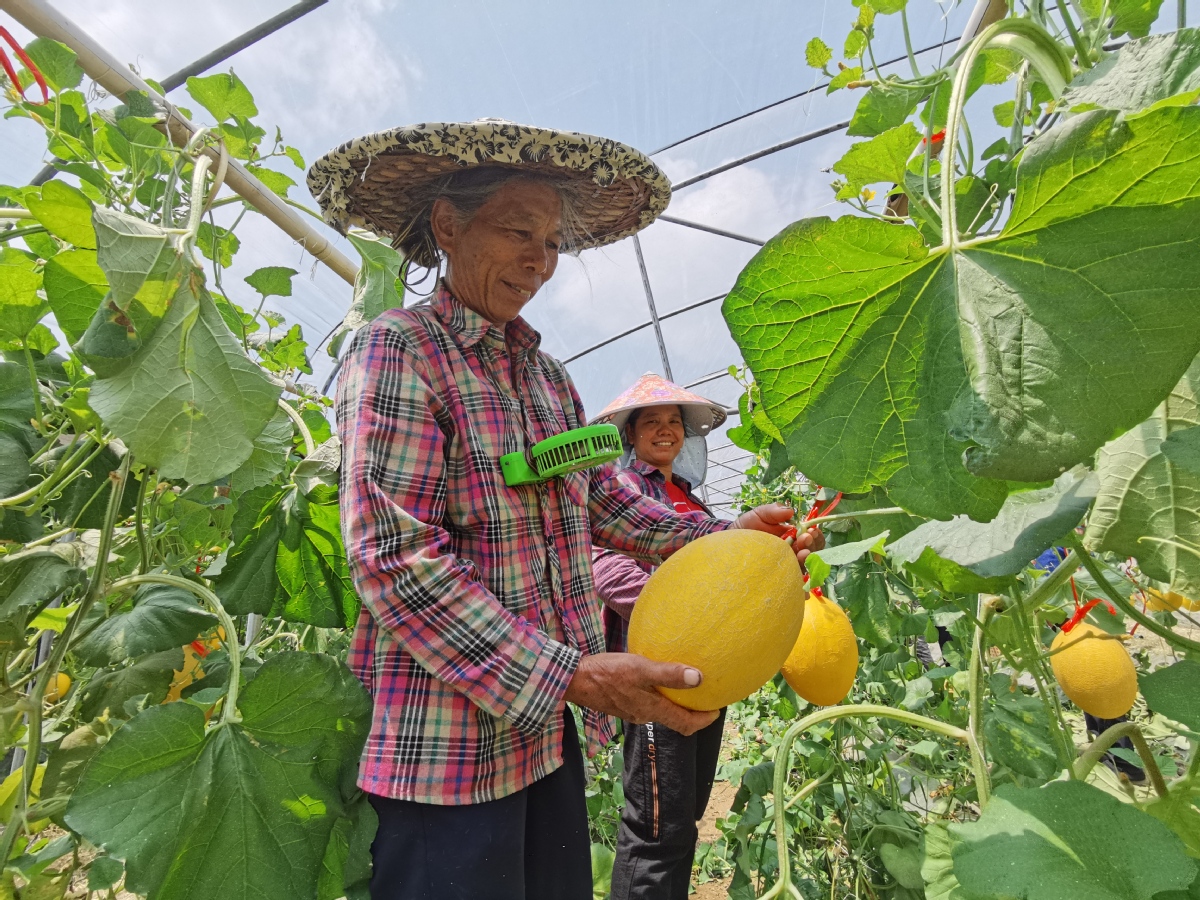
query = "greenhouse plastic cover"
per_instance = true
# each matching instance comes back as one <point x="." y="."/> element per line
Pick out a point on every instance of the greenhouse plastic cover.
<point x="698" y="85"/>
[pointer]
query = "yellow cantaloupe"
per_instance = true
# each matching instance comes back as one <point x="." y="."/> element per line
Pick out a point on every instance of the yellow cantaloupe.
<point x="57" y="689"/>
<point x="1157" y="601"/>
<point x="729" y="604"/>
<point x="823" y="663"/>
<point x="1094" y="671"/>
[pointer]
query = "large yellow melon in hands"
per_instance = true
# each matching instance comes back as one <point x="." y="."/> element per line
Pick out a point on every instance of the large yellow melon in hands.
<point x="823" y="663"/>
<point x="1094" y="671"/>
<point x="729" y="604"/>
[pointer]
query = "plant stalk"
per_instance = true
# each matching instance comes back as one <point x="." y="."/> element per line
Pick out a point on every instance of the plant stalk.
<point x="1088" y="759"/>
<point x="983" y="783"/>
<point x="309" y="444"/>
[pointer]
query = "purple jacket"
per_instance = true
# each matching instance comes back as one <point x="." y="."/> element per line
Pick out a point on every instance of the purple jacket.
<point x="619" y="578"/>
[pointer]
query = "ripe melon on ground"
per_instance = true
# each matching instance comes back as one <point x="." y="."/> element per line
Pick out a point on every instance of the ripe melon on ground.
<point x="823" y="663"/>
<point x="1094" y="671"/>
<point x="729" y="604"/>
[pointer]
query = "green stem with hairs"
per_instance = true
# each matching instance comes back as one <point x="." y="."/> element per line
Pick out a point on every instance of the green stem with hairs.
<point x="57" y="653"/>
<point x="1088" y="759"/>
<point x="1081" y="51"/>
<point x="309" y="444"/>
<point x="230" y="713"/>
<point x="821" y="520"/>
<point x="37" y="391"/>
<point x="983" y="782"/>
<point x="783" y="755"/>
<point x="1175" y="640"/>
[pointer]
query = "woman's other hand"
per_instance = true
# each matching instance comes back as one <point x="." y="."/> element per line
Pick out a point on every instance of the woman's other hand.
<point x="775" y="518"/>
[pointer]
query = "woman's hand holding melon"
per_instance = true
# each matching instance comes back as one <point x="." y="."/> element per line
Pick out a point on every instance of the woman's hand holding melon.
<point x="626" y="685"/>
<point x="775" y="518"/>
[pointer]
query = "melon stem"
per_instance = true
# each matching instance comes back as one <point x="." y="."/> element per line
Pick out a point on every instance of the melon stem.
<point x="1088" y="759"/>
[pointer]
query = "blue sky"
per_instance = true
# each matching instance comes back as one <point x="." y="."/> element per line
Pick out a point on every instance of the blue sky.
<point x="648" y="73"/>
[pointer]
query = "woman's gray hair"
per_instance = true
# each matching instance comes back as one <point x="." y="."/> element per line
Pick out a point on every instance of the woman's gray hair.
<point x="466" y="192"/>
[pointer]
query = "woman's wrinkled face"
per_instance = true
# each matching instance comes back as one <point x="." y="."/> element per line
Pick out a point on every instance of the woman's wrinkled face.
<point x="657" y="435"/>
<point x="503" y="256"/>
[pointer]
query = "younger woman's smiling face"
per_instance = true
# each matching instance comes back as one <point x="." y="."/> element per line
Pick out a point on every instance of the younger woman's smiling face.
<point x="657" y="435"/>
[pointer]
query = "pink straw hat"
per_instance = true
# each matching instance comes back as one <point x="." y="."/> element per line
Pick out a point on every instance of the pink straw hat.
<point x="700" y="414"/>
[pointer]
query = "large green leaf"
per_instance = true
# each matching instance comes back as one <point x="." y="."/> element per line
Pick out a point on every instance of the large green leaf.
<point x="883" y="361"/>
<point x="75" y="286"/>
<point x="21" y="304"/>
<point x="1145" y="497"/>
<point x="1142" y="73"/>
<point x="1174" y="692"/>
<point x="248" y="583"/>
<point x="14" y="465"/>
<point x="1028" y="523"/>
<point x="160" y="618"/>
<point x="937" y="866"/>
<point x="57" y="63"/>
<point x="190" y="403"/>
<point x="376" y="287"/>
<point x="83" y="502"/>
<point x="314" y="576"/>
<point x="1066" y="841"/>
<point x="268" y="457"/>
<point x="65" y="212"/>
<point x="145" y="270"/>
<point x="186" y="806"/>
<point x="224" y="95"/>
<point x="883" y="158"/>
<point x="1017" y="730"/>
<point x="1183" y="448"/>
<point x="1180" y="811"/>
<point x="862" y="591"/>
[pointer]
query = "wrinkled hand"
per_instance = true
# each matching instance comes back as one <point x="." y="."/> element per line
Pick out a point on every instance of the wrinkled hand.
<point x="624" y="685"/>
<point x="775" y="518"/>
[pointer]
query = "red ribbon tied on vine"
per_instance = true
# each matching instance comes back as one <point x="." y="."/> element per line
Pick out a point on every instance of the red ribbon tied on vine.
<point x="12" y="72"/>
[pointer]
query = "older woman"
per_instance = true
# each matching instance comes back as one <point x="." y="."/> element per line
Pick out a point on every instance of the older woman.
<point x="479" y="619"/>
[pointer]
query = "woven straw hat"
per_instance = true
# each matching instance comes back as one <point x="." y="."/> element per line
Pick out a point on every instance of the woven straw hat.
<point x="700" y="415"/>
<point x="370" y="181"/>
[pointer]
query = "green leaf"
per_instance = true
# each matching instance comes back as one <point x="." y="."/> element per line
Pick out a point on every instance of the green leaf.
<point x="346" y="868"/>
<point x="190" y="403"/>
<point x="57" y="63"/>
<point x="268" y="457"/>
<point x="1065" y="841"/>
<point x="1140" y="74"/>
<point x="862" y="591"/>
<point x="821" y="562"/>
<point x="31" y="582"/>
<point x="109" y="690"/>
<point x="1180" y="811"/>
<point x="276" y="182"/>
<point x="21" y="306"/>
<point x="185" y="807"/>
<point x="1182" y="448"/>
<point x="1133" y="17"/>
<point x="1145" y="497"/>
<point x="884" y="106"/>
<point x="144" y="271"/>
<point x="856" y="44"/>
<point x="1028" y="523"/>
<point x="65" y="212"/>
<point x="272" y="281"/>
<point x="286" y="353"/>
<point x="68" y="760"/>
<point x="104" y="872"/>
<point x="1174" y="692"/>
<point x="882" y="158"/>
<point x="75" y="286"/>
<point x="904" y="864"/>
<point x="843" y="78"/>
<point x="937" y="866"/>
<point x="376" y="288"/>
<point x="224" y="95"/>
<point x="242" y="137"/>
<point x="248" y="583"/>
<point x="83" y="502"/>
<point x="294" y="155"/>
<point x="844" y="323"/>
<point x="817" y="53"/>
<point x="161" y="618"/>
<point x="217" y="243"/>
<point x="1018" y="731"/>
<point x="14" y="465"/>
<point x="314" y="577"/>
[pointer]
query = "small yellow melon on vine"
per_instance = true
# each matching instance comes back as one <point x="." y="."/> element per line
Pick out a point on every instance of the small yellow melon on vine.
<point x="823" y="663"/>
<point x="58" y="687"/>
<point x="1157" y="601"/>
<point x="729" y="604"/>
<point x="1094" y="670"/>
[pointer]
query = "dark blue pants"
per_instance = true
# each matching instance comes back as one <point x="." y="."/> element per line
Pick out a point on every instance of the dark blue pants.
<point x="667" y="781"/>
<point x="531" y="845"/>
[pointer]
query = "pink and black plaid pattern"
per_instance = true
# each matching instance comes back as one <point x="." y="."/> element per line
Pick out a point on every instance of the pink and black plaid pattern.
<point x="478" y="598"/>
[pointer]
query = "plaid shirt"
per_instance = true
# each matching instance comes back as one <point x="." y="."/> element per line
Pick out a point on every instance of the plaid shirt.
<point x="620" y="579"/>
<point x="478" y="598"/>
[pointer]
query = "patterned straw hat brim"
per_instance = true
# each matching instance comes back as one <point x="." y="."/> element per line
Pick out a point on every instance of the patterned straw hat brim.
<point x="700" y="414"/>
<point x="369" y="182"/>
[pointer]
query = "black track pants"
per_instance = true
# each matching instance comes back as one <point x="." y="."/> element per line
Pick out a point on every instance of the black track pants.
<point x="668" y="778"/>
<point x="531" y="845"/>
